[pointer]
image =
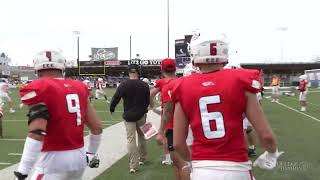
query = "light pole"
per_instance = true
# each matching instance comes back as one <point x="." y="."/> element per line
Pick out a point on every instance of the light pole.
<point x="168" y="21"/>
<point x="130" y="47"/>
<point x="282" y="29"/>
<point x="77" y="33"/>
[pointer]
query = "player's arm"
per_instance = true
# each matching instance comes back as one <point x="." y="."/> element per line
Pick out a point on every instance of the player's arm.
<point x="37" y="123"/>
<point x="180" y="129"/>
<point x="93" y="121"/>
<point x="268" y="160"/>
<point x="116" y="98"/>
<point x="167" y="113"/>
<point x="94" y="124"/>
<point x="153" y="93"/>
<point x="165" y="118"/>
<point x="258" y="120"/>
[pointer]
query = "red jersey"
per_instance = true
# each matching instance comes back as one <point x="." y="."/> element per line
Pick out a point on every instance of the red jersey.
<point x="66" y="100"/>
<point x="159" y="84"/>
<point x="214" y="104"/>
<point x="98" y="85"/>
<point x="165" y="93"/>
<point x="303" y="85"/>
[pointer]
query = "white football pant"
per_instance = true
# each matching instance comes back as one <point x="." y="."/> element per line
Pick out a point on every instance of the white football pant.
<point x="302" y="96"/>
<point x="69" y="175"/>
<point x="203" y="173"/>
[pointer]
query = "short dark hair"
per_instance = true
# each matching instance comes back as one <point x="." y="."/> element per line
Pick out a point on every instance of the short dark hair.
<point x="134" y="68"/>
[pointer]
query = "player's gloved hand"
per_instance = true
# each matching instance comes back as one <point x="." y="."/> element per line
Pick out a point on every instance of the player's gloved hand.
<point x="267" y="160"/>
<point x="93" y="160"/>
<point x="20" y="176"/>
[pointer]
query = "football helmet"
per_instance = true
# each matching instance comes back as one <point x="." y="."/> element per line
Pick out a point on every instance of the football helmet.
<point x="205" y="51"/>
<point x="100" y="79"/>
<point x="232" y="66"/>
<point x="189" y="69"/>
<point x="49" y="59"/>
<point x="146" y="80"/>
<point x="303" y="77"/>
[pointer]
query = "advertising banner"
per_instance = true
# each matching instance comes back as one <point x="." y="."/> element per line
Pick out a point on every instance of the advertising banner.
<point x="102" y="54"/>
<point x="313" y="76"/>
<point x="146" y="62"/>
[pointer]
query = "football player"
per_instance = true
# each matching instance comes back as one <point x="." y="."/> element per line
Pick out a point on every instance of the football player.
<point x="99" y="90"/>
<point x="58" y="111"/>
<point x="88" y="84"/>
<point x="1" y="119"/>
<point x="168" y="68"/>
<point x="246" y="124"/>
<point x="275" y="83"/>
<point x="213" y="103"/>
<point x="303" y="88"/>
<point x="4" y="94"/>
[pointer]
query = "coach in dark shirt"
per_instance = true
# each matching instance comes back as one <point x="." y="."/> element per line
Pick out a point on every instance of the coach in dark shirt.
<point x="135" y="94"/>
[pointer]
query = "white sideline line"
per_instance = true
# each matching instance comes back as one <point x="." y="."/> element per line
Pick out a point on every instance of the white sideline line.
<point x="15" y="120"/>
<point x="299" y="112"/>
<point x="109" y="151"/>
<point x="106" y="111"/>
<point x="107" y="124"/>
<point x="15" y="154"/>
<point x="114" y="120"/>
<point x="307" y="102"/>
<point x="3" y="163"/>
<point x="12" y="139"/>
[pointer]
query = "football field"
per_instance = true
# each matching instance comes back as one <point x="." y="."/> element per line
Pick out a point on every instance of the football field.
<point x="297" y="133"/>
<point x="15" y="127"/>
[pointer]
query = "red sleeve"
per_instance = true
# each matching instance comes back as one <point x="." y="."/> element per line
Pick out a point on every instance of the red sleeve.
<point x="33" y="93"/>
<point x="174" y="91"/>
<point x="251" y="80"/>
<point x="165" y="96"/>
<point x="158" y="83"/>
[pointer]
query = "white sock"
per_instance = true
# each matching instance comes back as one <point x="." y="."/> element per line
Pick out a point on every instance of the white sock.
<point x="168" y="157"/>
<point x="251" y="147"/>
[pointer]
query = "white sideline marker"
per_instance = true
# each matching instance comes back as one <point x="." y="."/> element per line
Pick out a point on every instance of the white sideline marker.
<point x="14" y="154"/>
<point x="311" y="117"/>
<point x="3" y="163"/>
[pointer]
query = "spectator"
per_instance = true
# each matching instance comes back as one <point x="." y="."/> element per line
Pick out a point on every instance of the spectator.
<point x="135" y="94"/>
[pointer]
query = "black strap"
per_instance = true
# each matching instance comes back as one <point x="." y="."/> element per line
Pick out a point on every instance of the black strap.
<point x="40" y="132"/>
<point x="38" y="111"/>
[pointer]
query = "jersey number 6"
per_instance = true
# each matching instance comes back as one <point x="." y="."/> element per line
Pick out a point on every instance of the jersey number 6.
<point x="74" y="106"/>
<point x="206" y="117"/>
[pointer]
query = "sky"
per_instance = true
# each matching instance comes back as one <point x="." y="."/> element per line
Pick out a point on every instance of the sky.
<point x="251" y="27"/>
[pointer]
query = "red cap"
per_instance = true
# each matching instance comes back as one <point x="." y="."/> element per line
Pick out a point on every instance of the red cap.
<point x="168" y="65"/>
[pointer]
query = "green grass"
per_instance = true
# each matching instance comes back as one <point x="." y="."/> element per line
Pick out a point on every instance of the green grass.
<point x="15" y="126"/>
<point x="297" y="135"/>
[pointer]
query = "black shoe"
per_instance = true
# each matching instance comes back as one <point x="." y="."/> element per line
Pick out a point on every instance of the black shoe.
<point x="252" y="152"/>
